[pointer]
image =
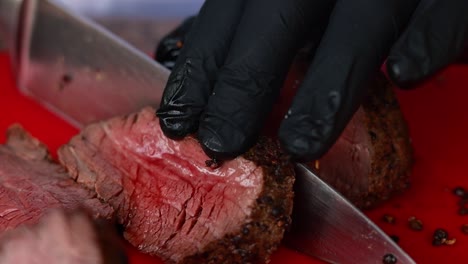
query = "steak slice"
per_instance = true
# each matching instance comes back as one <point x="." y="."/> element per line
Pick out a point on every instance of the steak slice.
<point x="31" y="183"/>
<point x="373" y="157"/>
<point x="62" y="237"/>
<point x="172" y="204"/>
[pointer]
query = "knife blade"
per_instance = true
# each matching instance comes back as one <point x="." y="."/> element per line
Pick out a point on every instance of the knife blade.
<point x="329" y="227"/>
<point x="84" y="73"/>
<point x="79" y="70"/>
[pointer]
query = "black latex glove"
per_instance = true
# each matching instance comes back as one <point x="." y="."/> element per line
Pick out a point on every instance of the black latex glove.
<point x="169" y="47"/>
<point x="238" y="52"/>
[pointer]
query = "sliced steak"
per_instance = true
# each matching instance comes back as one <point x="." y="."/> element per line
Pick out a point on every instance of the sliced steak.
<point x="373" y="157"/>
<point x="62" y="237"/>
<point x="172" y="204"/>
<point x="32" y="183"/>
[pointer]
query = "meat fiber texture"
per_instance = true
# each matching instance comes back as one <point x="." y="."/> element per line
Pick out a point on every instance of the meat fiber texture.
<point x="172" y="204"/>
<point x="62" y="237"/>
<point x="31" y="183"/>
<point x="373" y="157"/>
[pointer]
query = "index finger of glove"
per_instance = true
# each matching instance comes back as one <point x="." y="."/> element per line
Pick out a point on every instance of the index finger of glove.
<point x="204" y="52"/>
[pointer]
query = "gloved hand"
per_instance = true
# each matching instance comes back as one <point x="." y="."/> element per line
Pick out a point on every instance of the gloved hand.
<point x="238" y="52"/>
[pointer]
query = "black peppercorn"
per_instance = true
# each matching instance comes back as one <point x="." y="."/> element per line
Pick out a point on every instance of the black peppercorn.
<point x="276" y="211"/>
<point x="459" y="191"/>
<point x="389" y="259"/>
<point x="440" y="237"/>
<point x="388" y="219"/>
<point x="415" y="224"/>
<point x="440" y="234"/>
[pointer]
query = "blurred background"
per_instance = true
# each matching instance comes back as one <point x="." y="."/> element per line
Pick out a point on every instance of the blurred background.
<point x="142" y="23"/>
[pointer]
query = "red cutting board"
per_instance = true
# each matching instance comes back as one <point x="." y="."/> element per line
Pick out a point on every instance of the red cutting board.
<point x="437" y="113"/>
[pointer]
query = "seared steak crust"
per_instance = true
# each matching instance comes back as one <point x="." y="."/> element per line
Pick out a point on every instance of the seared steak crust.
<point x="257" y="239"/>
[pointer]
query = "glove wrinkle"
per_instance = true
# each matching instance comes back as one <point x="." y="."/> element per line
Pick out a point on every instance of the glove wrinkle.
<point x="183" y="102"/>
<point x="229" y="119"/>
<point x="204" y="51"/>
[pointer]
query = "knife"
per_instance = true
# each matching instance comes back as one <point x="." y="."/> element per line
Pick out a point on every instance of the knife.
<point x="83" y="73"/>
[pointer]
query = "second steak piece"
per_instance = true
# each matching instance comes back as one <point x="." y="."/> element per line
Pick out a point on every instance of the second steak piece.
<point x="172" y="204"/>
<point x="373" y="158"/>
<point x="31" y="183"/>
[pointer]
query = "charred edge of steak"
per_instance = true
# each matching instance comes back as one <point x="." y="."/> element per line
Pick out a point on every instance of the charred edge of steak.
<point x="26" y="146"/>
<point x="393" y="155"/>
<point x="383" y="111"/>
<point x="261" y="235"/>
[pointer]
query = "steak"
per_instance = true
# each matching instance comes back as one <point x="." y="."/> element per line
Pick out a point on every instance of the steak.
<point x="31" y="183"/>
<point x="373" y="157"/>
<point x="62" y="237"/>
<point x="174" y="204"/>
